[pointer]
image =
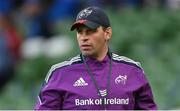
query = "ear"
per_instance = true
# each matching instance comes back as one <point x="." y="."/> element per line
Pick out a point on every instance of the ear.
<point x="108" y="33"/>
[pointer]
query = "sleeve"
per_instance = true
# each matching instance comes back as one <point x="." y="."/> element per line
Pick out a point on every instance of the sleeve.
<point x="143" y="96"/>
<point x="50" y="97"/>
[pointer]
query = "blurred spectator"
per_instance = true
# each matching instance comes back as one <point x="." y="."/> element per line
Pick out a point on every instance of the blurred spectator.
<point x="9" y="49"/>
<point x="37" y="20"/>
<point x="5" y="6"/>
<point x="30" y="21"/>
<point x="59" y="11"/>
<point x="116" y="4"/>
<point x="121" y="4"/>
<point x="152" y="3"/>
<point x="62" y="9"/>
<point x="173" y="4"/>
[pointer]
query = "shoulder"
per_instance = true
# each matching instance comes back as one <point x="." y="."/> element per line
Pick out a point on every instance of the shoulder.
<point x="71" y="61"/>
<point x="74" y="60"/>
<point x="125" y="60"/>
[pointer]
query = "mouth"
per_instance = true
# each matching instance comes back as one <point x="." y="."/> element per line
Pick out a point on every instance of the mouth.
<point x="85" y="46"/>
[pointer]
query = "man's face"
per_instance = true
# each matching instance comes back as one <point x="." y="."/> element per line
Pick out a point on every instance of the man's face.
<point x="92" y="42"/>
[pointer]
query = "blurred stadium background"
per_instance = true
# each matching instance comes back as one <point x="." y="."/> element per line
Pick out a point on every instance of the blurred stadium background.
<point x="34" y="34"/>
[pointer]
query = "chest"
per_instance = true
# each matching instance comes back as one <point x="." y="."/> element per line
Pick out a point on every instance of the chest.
<point x="81" y="90"/>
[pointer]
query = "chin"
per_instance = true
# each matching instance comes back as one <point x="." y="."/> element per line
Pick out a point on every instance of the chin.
<point x="87" y="53"/>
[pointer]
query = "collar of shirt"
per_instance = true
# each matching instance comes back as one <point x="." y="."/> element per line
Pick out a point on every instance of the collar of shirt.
<point x="95" y="63"/>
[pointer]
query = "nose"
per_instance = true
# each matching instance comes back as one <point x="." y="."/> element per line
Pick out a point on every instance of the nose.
<point x="83" y="36"/>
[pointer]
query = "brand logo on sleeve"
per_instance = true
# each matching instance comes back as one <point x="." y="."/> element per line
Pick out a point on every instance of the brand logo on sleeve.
<point x="80" y="82"/>
<point x="121" y="79"/>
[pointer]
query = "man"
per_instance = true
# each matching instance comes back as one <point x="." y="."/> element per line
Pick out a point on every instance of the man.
<point x="97" y="79"/>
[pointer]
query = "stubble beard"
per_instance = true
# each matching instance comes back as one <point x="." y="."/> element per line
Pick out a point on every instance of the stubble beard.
<point x="87" y="53"/>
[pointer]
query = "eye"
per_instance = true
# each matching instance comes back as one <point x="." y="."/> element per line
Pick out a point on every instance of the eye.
<point x="94" y="30"/>
<point x="79" y="31"/>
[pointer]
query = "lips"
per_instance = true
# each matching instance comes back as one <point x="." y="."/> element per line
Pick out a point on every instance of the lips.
<point x="85" y="46"/>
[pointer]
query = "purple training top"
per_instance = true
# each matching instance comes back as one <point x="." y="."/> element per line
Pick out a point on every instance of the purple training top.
<point x="68" y="86"/>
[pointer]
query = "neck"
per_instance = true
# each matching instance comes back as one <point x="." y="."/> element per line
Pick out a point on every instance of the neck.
<point x="101" y="55"/>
